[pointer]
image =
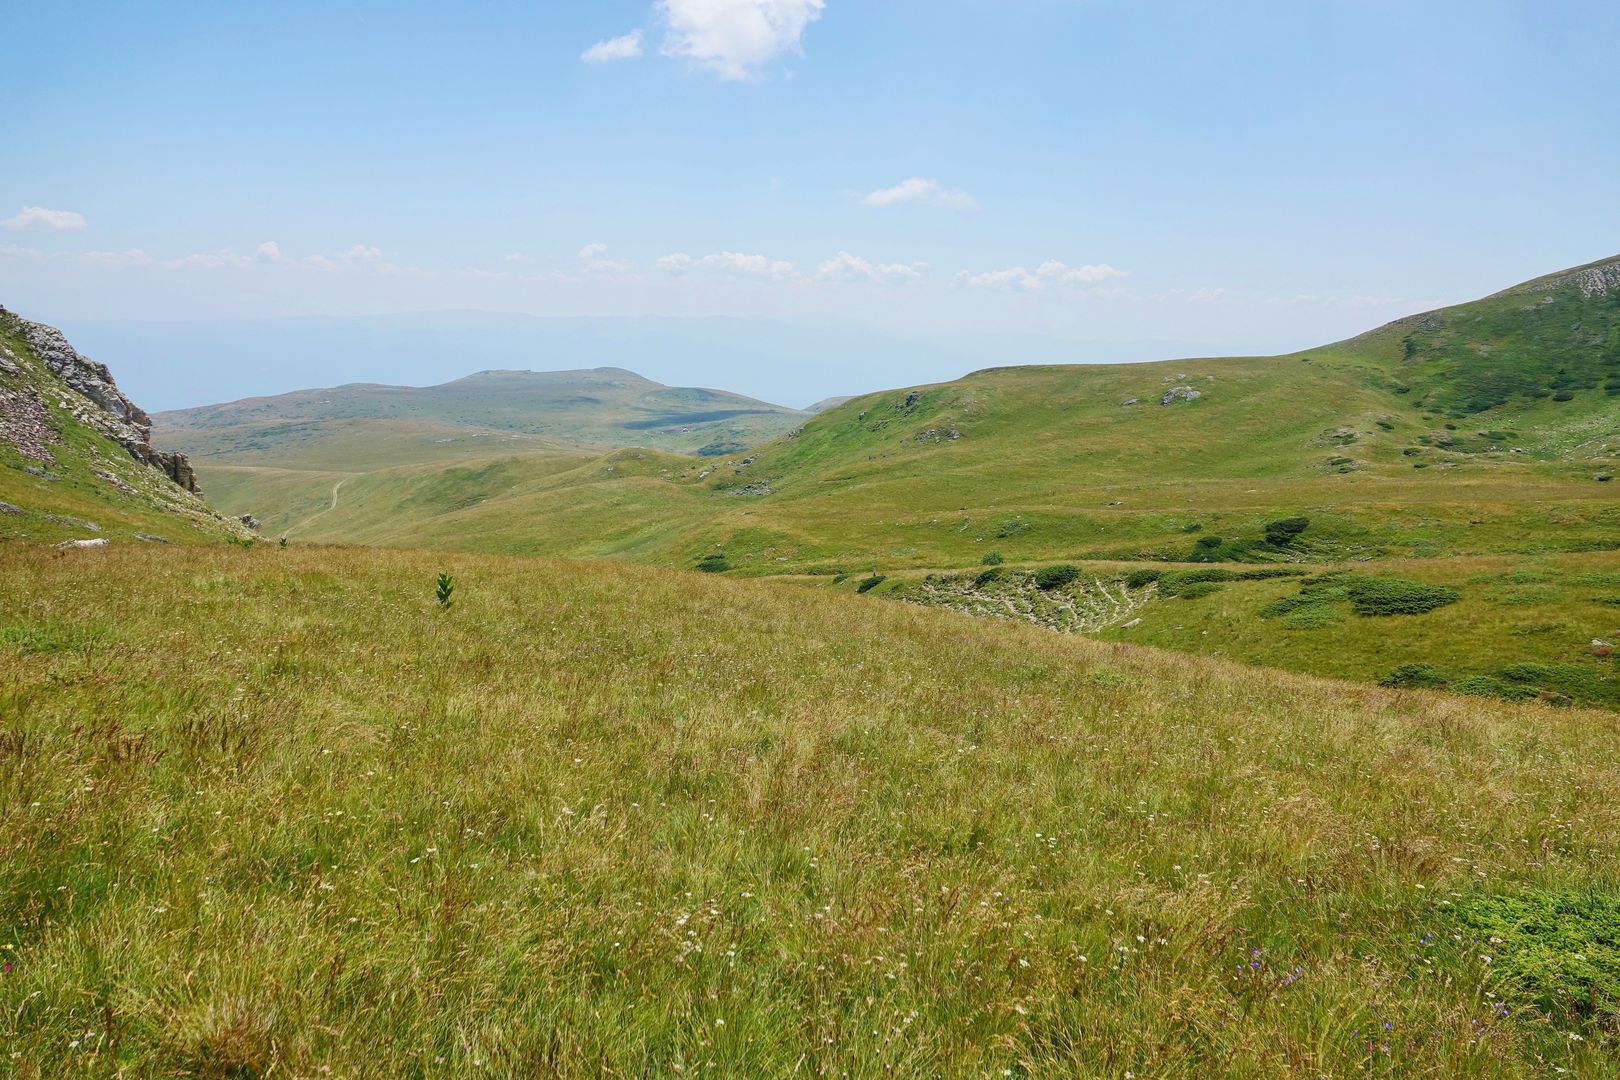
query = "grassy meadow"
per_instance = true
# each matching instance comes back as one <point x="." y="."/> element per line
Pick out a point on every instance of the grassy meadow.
<point x="274" y="811"/>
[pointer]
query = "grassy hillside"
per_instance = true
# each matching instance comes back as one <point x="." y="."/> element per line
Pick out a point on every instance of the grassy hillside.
<point x="600" y="408"/>
<point x="62" y="476"/>
<point x="1407" y="443"/>
<point x="274" y="811"/>
<point x="1410" y="441"/>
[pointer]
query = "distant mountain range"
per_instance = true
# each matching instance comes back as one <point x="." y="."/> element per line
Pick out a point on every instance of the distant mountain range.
<point x="601" y="408"/>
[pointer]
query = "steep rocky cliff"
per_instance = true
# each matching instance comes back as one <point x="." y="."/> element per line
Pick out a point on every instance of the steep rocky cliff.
<point x="76" y="454"/>
<point x="105" y="407"/>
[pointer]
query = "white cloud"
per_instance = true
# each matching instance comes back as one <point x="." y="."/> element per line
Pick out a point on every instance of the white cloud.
<point x="14" y="251"/>
<point x="132" y="257"/>
<point x="918" y="190"/>
<point x="360" y="256"/>
<point x="37" y="217"/>
<point x="733" y="262"/>
<point x="269" y="251"/>
<point x="1048" y="274"/>
<point x="627" y="47"/>
<point x="594" y="258"/>
<point x="1207" y="296"/>
<point x="735" y="38"/>
<point x="210" y="260"/>
<point x="847" y="267"/>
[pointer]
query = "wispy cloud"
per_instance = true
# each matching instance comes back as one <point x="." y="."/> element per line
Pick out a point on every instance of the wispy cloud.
<point x="1047" y="275"/>
<point x="847" y="267"/>
<point x="39" y="218"/>
<point x="733" y="262"/>
<point x="918" y="190"/>
<point x="117" y="259"/>
<point x="734" y="39"/>
<point x="627" y="47"/>
<point x="595" y="260"/>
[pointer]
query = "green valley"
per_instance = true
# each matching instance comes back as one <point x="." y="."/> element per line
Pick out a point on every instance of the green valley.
<point x="1472" y="441"/>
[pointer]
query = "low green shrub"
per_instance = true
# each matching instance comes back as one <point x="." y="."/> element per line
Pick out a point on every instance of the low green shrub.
<point x="991" y="558"/>
<point x="713" y="563"/>
<point x="1557" y="952"/>
<point x="1416" y="677"/>
<point x="1137" y="579"/>
<point x="1489" y="686"/>
<point x="1396" y="596"/>
<point x="1284" y="531"/>
<point x="871" y="583"/>
<point x="1268" y="572"/>
<point x="1553" y="676"/>
<point x="50" y="638"/>
<point x="985" y="577"/>
<point x="1199" y="589"/>
<point x="1055" y="577"/>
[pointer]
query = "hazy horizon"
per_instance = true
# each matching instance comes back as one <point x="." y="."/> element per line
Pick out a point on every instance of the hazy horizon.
<point x="168" y="365"/>
<point x="958" y="179"/>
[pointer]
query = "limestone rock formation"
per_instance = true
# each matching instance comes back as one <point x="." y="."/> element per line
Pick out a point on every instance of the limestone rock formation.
<point x="107" y="408"/>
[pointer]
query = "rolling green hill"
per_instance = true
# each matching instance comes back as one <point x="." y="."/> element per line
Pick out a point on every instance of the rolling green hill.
<point x="1482" y="428"/>
<point x="76" y="459"/>
<point x="1477" y="440"/>
<point x="600" y="408"/>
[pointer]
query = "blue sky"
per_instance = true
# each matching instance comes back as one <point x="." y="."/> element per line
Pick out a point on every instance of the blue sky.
<point x="1240" y="176"/>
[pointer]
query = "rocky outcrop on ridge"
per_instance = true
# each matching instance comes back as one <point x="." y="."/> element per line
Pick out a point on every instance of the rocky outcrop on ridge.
<point x="103" y="407"/>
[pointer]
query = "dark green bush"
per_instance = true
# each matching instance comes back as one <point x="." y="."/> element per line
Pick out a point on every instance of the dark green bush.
<point x="1199" y="589"/>
<point x="1317" y="597"/>
<point x="1284" y="531"/>
<point x="985" y="577"/>
<point x="1553" y="676"/>
<point x="1416" y="676"/>
<point x="991" y="558"/>
<point x="713" y="563"/>
<point x="1488" y="686"/>
<point x="1136" y="579"/>
<point x="1267" y="572"/>
<point x="871" y="583"/>
<point x="1558" y="952"/>
<point x="1055" y="577"/>
<point x="1208" y="543"/>
<point x="1395" y="596"/>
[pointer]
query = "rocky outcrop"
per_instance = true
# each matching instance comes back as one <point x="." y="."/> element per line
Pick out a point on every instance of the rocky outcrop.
<point x="107" y="408"/>
<point x="1593" y="279"/>
<point x="1179" y="393"/>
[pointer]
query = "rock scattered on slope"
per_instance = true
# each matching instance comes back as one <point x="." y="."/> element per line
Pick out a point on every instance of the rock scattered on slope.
<point x="104" y="406"/>
<point x="1179" y="393"/>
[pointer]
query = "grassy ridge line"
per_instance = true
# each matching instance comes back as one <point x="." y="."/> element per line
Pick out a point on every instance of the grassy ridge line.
<point x="602" y="408"/>
<point x="599" y="820"/>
